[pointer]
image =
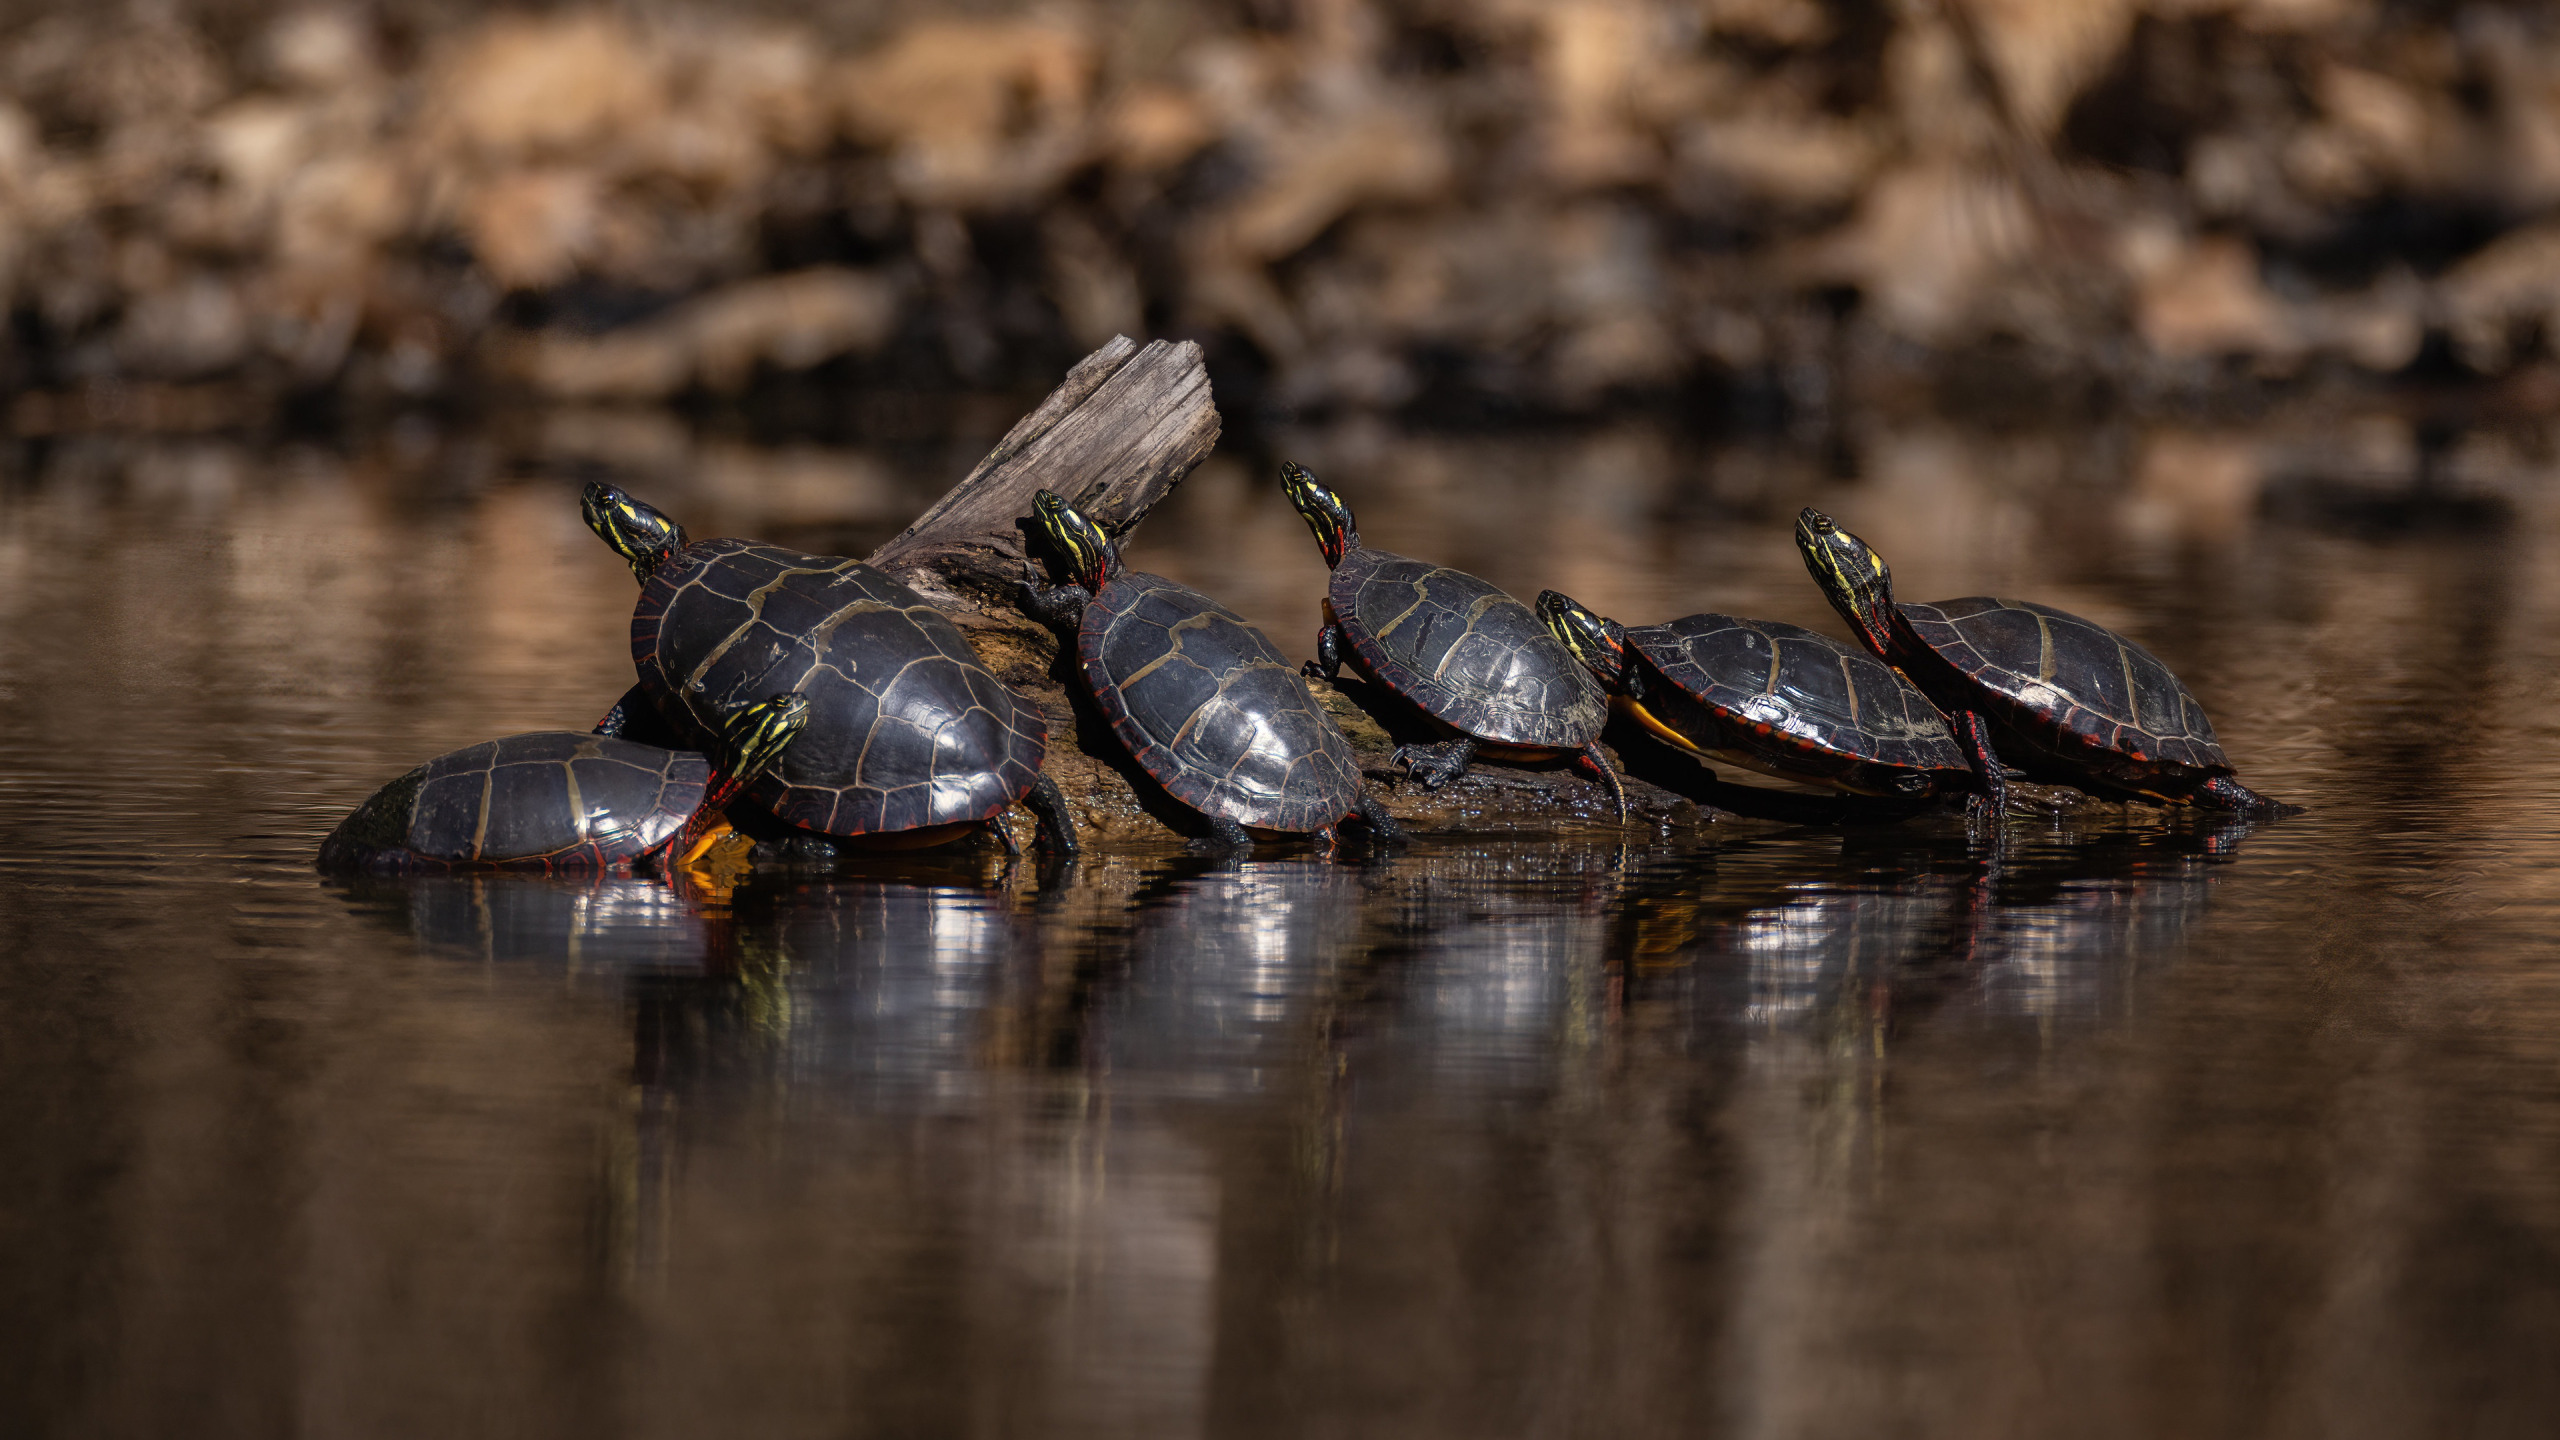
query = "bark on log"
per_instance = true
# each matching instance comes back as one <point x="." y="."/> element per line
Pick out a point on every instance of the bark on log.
<point x="1115" y="438"/>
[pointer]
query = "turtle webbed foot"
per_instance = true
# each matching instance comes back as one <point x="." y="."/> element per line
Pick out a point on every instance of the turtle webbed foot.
<point x="1057" y="827"/>
<point x="1384" y="832"/>
<point x="1225" y="837"/>
<point x="1059" y="607"/>
<point x="1596" y="761"/>
<point x="1436" y="765"/>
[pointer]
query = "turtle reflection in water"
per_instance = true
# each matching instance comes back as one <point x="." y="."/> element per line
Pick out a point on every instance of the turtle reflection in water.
<point x="1769" y="697"/>
<point x="1881" y="921"/>
<point x="1205" y="703"/>
<point x="560" y="801"/>
<point x="912" y="740"/>
<point x="1473" y="660"/>
<point x="2065" y="700"/>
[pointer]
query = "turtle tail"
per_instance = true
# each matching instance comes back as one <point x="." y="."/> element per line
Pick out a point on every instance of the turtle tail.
<point x="2225" y="792"/>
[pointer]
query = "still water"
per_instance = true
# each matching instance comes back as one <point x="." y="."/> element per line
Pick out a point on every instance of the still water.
<point x="2156" y="1126"/>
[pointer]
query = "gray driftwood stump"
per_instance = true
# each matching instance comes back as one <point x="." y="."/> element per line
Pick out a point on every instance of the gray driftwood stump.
<point x="1115" y="438"/>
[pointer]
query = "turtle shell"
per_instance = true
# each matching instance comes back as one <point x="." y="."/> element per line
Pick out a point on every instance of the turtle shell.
<point x="1466" y="653"/>
<point x="1802" y="704"/>
<point x="1210" y="708"/>
<point x="551" y="800"/>
<point x="907" y="727"/>
<point x="2071" y="698"/>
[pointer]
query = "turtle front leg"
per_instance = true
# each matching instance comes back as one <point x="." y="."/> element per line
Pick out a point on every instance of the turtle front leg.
<point x="1991" y="794"/>
<point x="1059" y="607"/>
<point x="1436" y="765"/>
<point x="1598" y="764"/>
<point x="703" y="831"/>
<point x="1328" y="661"/>
<point x="1057" y="828"/>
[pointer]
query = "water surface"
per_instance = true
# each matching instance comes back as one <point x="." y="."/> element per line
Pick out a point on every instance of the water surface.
<point x="2156" y="1125"/>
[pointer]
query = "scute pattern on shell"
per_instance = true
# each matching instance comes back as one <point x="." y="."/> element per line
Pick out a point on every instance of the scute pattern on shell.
<point x="1807" y="688"/>
<point x="1465" y="652"/>
<point x="907" y="727"/>
<point x="2076" y="689"/>
<point x="551" y="800"/>
<point x="1210" y="708"/>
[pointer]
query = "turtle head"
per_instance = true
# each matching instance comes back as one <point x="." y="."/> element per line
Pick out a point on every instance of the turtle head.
<point x="1085" y="548"/>
<point x="1326" y="515"/>
<point x="1852" y="576"/>
<point x="756" y="735"/>
<point x="639" y="533"/>
<point x="1597" y="641"/>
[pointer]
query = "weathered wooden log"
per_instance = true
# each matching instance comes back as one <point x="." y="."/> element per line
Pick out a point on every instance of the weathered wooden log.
<point x="1116" y="438"/>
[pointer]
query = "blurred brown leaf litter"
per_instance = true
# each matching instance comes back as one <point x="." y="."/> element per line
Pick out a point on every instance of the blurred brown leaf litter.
<point x="1550" y="204"/>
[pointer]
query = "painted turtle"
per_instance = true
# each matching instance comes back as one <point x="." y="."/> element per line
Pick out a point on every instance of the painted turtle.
<point x="911" y="740"/>
<point x="558" y="800"/>
<point x="1769" y="697"/>
<point x="1205" y="702"/>
<point x="1474" y="660"/>
<point x="2063" y="699"/>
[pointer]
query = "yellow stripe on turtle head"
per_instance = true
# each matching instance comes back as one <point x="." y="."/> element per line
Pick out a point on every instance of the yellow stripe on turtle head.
<point x="1077" y="540"/>
<point x="758" y="734"/>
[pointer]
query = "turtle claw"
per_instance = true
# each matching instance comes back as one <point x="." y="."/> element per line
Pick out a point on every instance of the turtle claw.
<point x="1435" y="765"/>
